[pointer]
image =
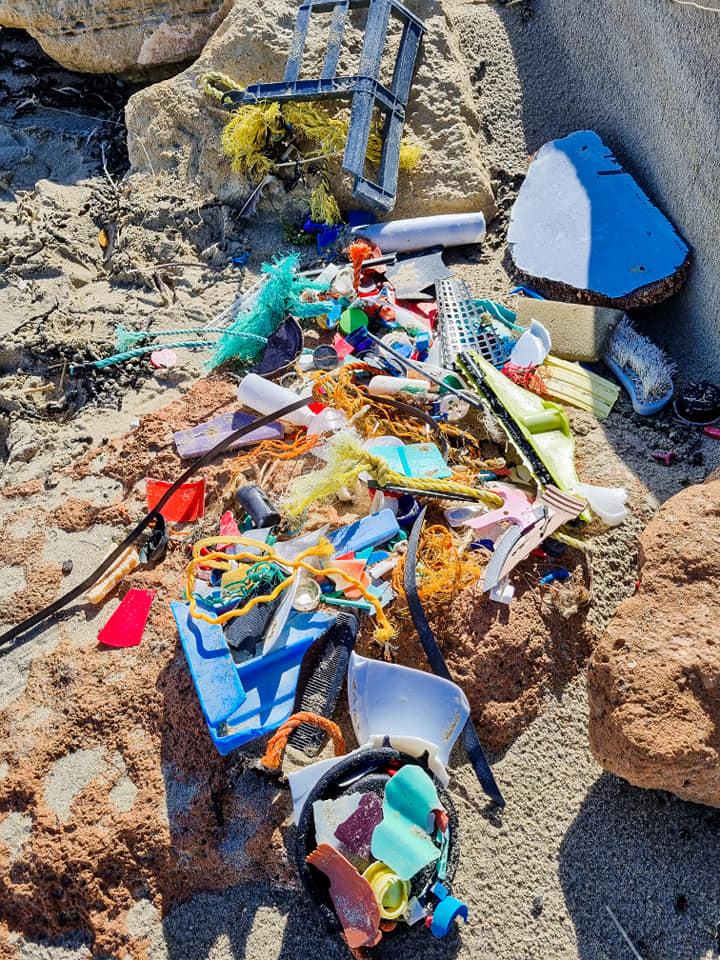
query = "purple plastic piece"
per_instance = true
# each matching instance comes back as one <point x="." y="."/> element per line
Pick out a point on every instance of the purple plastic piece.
<point x="198" y="440"/>
<point x="356" y="832"/>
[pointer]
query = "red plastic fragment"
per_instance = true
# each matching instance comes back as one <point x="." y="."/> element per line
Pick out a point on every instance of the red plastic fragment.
<point x="127" y="625"/>
<point x="342" y="347"/>
<point x="713" y="432"/>
<point x="184" y="506"/>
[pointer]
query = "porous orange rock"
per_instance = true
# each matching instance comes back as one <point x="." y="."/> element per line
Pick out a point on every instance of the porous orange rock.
<point x="654" y="678"/>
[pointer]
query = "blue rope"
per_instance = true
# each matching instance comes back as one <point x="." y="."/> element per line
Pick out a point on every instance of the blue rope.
<point x="138" y="352"/>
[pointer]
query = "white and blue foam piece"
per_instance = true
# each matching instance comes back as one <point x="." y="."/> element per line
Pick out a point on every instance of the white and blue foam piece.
<point x="581" y="219"/>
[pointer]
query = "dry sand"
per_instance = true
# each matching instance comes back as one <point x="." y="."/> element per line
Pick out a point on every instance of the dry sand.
<point x="572" y="840"/>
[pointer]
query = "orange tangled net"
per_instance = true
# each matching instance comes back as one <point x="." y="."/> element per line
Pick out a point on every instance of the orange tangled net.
<point x="442" y="569"/>
<point x="300" y="444"/>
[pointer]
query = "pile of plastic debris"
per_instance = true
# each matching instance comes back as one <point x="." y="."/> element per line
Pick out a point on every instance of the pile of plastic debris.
<point x="414" y="396"/>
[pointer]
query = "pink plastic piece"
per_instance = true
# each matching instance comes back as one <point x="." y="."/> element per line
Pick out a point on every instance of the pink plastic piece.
<point x="163" y="358"/>
<point x="517" y="508"/>
<point x="127" y="625"/>
<point x="666" y="458"/>
<point x="228" y="526"/>
<point x="342" y="347"/>
<point x="713" y="432"/>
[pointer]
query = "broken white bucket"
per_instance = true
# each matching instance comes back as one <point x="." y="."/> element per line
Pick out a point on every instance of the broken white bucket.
<point x="417" y="711"/>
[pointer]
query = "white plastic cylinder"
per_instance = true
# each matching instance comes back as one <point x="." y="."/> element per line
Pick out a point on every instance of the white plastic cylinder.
<point x="264" y="396"/>
<point x="447" y="229"/>
<point x="387" y="386"/>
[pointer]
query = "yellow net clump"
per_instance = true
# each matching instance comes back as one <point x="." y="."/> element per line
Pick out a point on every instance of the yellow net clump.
<point x="255" y="129"/>
<point x="442" y="568"/>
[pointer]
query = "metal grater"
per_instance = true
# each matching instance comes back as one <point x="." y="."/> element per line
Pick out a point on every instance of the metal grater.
<point x="325" y="666"/>
<point x="462" y="326"/>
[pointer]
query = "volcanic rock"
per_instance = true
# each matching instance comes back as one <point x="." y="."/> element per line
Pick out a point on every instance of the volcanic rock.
<point x="654" y="678"/>
<point x="117" y="36"/>
<point x="174" y="126"/>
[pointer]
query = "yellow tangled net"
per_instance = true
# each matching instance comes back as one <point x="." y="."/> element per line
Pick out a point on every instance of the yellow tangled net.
<point x="254" y="127"/>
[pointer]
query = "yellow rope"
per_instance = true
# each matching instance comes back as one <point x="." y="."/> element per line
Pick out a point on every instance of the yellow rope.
<point x="347" y="460"/>
<point x="207" y="82"/>
<point x="221" y="561"/>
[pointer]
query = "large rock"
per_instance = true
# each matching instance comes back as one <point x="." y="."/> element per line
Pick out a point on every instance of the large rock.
<point x="173" y="126"/>
<point x="117" y="36"/>
<point x="654" y="679"/>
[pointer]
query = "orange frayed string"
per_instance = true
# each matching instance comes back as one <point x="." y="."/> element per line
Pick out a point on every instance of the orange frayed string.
<point x="442" y="568"/>
<point x="300" y="444"/>
<point x="274" y="751"/>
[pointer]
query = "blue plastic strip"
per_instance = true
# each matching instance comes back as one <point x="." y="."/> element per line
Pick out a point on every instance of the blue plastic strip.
<point x="211" y="665"/>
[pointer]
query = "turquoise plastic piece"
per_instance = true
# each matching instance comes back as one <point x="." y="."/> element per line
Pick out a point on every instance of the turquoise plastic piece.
<point x="402" y="840"/>
<point x="242" y="702"/>
<point x="415" y="460"/>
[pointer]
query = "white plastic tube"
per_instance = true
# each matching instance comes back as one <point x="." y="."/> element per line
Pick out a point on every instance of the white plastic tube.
<point x="447" y="229"/>
<point x="387" y="386"/>
<point x="264" y="396"/>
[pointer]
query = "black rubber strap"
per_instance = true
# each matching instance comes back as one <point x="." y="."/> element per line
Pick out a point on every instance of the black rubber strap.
<point x="81" y="588"/>
<point x="473" y="747"/>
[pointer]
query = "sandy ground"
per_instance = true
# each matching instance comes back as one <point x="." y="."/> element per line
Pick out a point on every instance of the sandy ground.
<point x="572" y="840"/>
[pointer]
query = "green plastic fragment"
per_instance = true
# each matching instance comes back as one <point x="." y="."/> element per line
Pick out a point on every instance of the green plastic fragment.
<point x="401" y="840"/>
<point x="542" y="423"/>
<point x="353" y="319"/>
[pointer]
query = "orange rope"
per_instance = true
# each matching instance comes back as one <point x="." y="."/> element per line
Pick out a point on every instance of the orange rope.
<point x="274" y="751"/>
<point x="300" y="444"/>
<point x="360" y="251"/>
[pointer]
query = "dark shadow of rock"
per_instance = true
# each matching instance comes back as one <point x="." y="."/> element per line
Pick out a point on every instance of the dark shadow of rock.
<point x="646" y="855"/>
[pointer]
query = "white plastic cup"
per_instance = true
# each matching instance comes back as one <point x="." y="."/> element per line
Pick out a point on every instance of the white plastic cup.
<point x="408" y="706"/>
<point x="446" y="229"/>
